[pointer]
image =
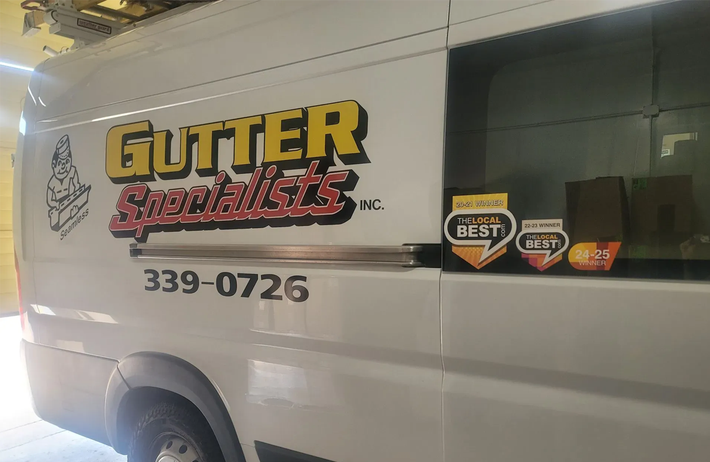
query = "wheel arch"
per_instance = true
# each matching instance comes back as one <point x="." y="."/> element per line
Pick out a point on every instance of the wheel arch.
<point x="144" y="378"/>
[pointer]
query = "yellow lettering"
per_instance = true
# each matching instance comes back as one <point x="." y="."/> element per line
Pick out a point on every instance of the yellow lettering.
<point x="126" y="161"/>
<point x="278" y="134"/>
<point x="336" y="126"/>
<point x="206" y="147"/>
<point x="135" y="153"/>
<point x="162" y="155"/>
<point x="244" y="145"/>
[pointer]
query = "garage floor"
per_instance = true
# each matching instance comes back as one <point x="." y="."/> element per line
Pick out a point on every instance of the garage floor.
<point x="23" y="436"/>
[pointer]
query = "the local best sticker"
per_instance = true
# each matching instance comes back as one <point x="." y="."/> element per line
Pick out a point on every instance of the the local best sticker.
<point x="593" y="256"/>
<point x="542" y="242"/>
<point x="480" y="227"/>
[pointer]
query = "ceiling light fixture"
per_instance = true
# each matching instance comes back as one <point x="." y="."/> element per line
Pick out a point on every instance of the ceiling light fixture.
<point x="16" y="66"/>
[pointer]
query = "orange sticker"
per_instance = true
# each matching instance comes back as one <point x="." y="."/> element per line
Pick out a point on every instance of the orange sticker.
<point x="480" y="227"/>
<point x="542" y="242"/>
<point x="593" y="256"/>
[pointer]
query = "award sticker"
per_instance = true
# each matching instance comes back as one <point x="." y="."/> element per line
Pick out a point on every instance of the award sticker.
<point x="593" y="256"/>
<point x="542" y="242"/>
<point x="480" y="227"/>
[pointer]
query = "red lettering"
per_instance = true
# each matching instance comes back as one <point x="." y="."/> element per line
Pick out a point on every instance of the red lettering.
<point x="226" y="204"/>
<point x="331" y="194"/>
<point x="128" y="211"/>
<point x="187" y="217"/>
<point x="304" y="182"/>
<point x="280" y="198"/>
<point x="227" y="208"/>
<point x="243" y="212"/>
<point x="173" y="206"/>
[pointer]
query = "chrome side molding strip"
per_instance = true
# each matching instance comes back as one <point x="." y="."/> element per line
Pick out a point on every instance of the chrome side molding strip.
<point x="397" y="256"/>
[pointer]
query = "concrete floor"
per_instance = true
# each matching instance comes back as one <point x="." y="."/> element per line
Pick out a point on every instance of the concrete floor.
<point x="23" y="436"/>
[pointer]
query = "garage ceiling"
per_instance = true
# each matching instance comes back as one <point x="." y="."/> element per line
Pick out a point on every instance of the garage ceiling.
<point x="124" y="11"/>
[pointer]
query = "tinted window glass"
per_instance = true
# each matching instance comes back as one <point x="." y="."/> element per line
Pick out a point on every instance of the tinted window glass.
<point x="594" y="138"/>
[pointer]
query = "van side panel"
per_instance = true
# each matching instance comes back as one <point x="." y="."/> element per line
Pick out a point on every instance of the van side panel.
<point x="574" y="354"/>
<point x="501" y="18"/>
<point x="68" y="389"/>
<point x="184" y="50"/>
<point x="22" y="210"/>
<point x="583" y="370"/>
<point x="350" y="369"/>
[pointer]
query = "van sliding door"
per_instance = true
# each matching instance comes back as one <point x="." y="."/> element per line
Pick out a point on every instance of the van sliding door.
<point x="575" y="289"/>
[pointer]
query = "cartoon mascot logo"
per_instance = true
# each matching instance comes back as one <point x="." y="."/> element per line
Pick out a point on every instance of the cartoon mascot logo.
<point x="66" y="196"/>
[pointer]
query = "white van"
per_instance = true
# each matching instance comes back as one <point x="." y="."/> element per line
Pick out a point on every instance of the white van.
<point x="348" y="231"/>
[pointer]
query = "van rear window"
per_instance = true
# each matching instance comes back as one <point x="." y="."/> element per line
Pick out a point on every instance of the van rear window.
<point x="583" y="149"/>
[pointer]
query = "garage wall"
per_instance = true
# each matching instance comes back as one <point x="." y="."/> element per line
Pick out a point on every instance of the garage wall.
<point x="26" y="51"/>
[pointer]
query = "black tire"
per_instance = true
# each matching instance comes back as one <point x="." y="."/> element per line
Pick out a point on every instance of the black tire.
<point x="170" y="418"/>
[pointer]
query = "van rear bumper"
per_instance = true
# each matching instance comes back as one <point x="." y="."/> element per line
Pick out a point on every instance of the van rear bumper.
<point x="69" y="388"/>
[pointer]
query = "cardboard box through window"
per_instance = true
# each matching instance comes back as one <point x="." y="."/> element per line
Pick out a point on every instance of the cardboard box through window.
<point x="661" y="215"/>
<point x="597" y="210"/>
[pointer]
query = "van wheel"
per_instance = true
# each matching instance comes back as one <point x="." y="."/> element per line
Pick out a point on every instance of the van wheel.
<point x="171" y="432"/>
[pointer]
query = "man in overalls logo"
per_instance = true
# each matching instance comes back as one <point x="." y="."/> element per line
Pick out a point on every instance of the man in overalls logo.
<point x="65" y="194"/>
